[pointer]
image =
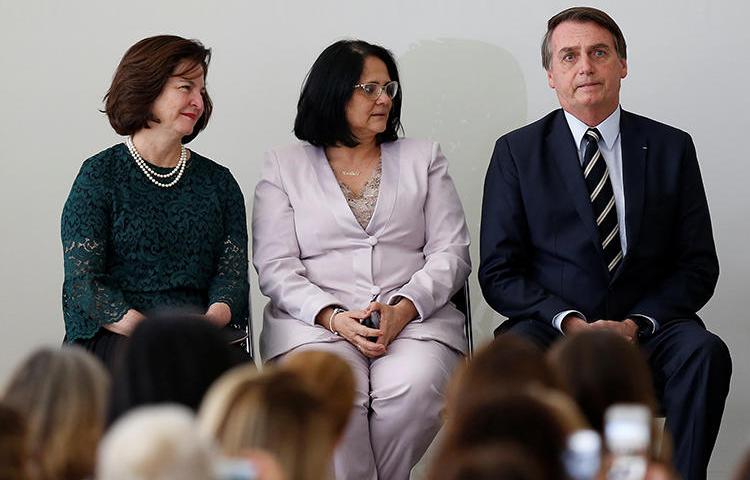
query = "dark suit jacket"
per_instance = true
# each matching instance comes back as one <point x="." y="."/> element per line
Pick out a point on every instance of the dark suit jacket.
<point x="540" y="249"/>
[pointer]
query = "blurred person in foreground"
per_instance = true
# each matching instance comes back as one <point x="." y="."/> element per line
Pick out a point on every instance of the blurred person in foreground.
<point x="330" y="377"/>
<point x="274" y="412"/>
<point x="14" y="452"/>
<point x="170" y="359"/>
<point x="524" y="418"/>
<point x="62" y="396"/>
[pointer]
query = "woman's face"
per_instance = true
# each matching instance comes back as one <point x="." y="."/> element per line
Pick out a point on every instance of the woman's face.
<point x="368" y="117"/>
<point x="180" y="103"/>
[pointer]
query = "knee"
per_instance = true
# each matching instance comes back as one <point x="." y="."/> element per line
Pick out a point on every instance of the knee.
<point x="412" y="385"/>
<point x="709" y="347"/>
<point x="417" y="393"/>
<point x="717" y="353"/>
<point x="710" y="355"/>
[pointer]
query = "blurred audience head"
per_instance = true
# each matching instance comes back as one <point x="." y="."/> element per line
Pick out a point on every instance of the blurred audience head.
<point x="13" y="450"/>
<point x="600" y="369"/>
<point x="562" y="406"/>
<point x="742" y="472"/>
<point x="330" y="377"/>
<point x="507" y="364"/>
<point x="493" y="461"/>
<point x="62" y="394"/>
<point x="159" y="442"/>
<point x="273" y="411"/>
<point x="521" y="418"/>
<point x="170" y="359"/>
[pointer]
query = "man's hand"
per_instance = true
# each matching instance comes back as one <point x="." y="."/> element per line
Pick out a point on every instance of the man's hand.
<point x="627" y="329"/>
<point x="573" y="324"/>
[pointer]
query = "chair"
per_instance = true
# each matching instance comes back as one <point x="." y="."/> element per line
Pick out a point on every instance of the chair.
<point x="247" y="342"/>
<point x="462" y="301"/>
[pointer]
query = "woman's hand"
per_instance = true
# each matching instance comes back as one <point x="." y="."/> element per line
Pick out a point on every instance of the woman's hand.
<point x="126" y="324"/>
<point x="347" y="324"/>
<point x="219" y="314"/>
<point x="393" y="318"/>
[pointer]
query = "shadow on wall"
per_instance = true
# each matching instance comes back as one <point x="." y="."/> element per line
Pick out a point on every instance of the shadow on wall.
<point x="464" y="94"/>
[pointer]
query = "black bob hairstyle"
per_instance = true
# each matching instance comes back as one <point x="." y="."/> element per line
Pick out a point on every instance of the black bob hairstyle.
<point x="321" y="109"/>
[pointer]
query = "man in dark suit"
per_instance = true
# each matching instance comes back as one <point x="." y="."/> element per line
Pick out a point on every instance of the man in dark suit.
<point x="596" y="218"/>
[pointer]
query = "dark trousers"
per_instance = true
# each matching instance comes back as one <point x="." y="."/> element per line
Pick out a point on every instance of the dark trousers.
<point x="691" y="369"/>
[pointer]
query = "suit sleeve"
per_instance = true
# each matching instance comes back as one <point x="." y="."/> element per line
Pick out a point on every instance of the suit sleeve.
<point x="691" y="283"/>
<point x="446" y="249"/>
<point x="505" y="247"/>
<point x="276" y="253"/>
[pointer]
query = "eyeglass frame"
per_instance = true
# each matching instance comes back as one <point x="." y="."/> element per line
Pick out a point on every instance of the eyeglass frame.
<point x="382" y="88"/>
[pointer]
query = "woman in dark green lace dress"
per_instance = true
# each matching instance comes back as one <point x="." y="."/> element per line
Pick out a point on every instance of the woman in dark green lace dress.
<point x="150" y="225"/>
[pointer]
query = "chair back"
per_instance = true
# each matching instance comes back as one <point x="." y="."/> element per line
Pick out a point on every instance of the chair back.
<point x="462" y="301"/>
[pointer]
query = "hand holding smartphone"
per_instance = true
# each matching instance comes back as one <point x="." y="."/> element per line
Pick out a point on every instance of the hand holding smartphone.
<point x="373" y="320"/>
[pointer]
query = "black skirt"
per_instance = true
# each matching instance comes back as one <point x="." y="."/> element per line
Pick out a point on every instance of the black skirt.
<point x="107" y="346"/>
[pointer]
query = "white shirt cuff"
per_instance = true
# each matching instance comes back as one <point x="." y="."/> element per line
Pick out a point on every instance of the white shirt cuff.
<point x="557" y="319"/>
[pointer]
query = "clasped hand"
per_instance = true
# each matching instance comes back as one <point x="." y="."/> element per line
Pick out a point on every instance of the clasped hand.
<point x="627" y="329"/>
<point x="393" y="319"/>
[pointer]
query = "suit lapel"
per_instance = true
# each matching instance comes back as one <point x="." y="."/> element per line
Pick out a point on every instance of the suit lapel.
<point x="634" y="150"/>
<point x="561" y="149"/>
<point x="389" y="161"/>
<point x="334" y="197"/>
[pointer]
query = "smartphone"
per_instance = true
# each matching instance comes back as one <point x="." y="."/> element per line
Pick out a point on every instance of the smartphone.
<point x="627" y="430"/>
<point x="372" y="321"/>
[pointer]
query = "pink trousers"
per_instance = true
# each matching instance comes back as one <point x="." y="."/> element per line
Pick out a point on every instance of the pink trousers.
<point x="397" y="406"/>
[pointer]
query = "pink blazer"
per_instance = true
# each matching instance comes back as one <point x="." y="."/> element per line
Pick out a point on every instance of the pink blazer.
<point x="310" y="252"/>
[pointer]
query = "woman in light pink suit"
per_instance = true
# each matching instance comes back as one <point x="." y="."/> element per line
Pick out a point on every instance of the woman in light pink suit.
<point x="359" y="240"/>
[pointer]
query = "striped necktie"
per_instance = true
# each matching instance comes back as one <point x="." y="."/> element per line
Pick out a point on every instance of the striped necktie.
<point x="602" y="200"/>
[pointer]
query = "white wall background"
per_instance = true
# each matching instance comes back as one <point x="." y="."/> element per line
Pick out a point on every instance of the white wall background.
<point x="471" y="72"/>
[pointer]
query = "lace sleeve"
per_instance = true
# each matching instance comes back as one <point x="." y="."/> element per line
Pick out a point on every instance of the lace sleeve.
<point x="89" y="298"/>
<point x="230" y="284"/>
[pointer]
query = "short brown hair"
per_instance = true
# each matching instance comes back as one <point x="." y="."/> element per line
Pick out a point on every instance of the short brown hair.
<point x="330" y="377"/>
<point x="141" y="75"/>
<point x="599" y="369"/>
<point x="583" y="15"/>
<point x="13" y="444"/>
<point x="273" y="411"/>
<point x="62" y="393"/>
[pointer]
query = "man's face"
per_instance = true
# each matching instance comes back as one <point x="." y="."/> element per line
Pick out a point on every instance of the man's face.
<point x="585" y="70"/>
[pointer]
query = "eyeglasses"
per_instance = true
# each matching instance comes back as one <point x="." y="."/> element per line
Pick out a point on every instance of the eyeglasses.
<point x="374" y="90"/>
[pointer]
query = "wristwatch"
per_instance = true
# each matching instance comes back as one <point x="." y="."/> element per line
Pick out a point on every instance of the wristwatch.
<point x="645" y="327"/>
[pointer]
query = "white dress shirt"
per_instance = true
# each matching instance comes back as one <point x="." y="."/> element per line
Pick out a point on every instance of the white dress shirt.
<point x="611" y="150"/>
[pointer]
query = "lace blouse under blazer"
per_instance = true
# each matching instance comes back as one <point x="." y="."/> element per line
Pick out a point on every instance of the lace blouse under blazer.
<point x="310" y="252"/>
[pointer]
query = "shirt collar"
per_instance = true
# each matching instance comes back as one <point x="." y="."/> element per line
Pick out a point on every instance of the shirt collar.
<point x="609" y="128"/>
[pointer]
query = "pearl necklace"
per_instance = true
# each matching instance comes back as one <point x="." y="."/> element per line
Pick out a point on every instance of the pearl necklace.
<point x="151" y="174"/>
